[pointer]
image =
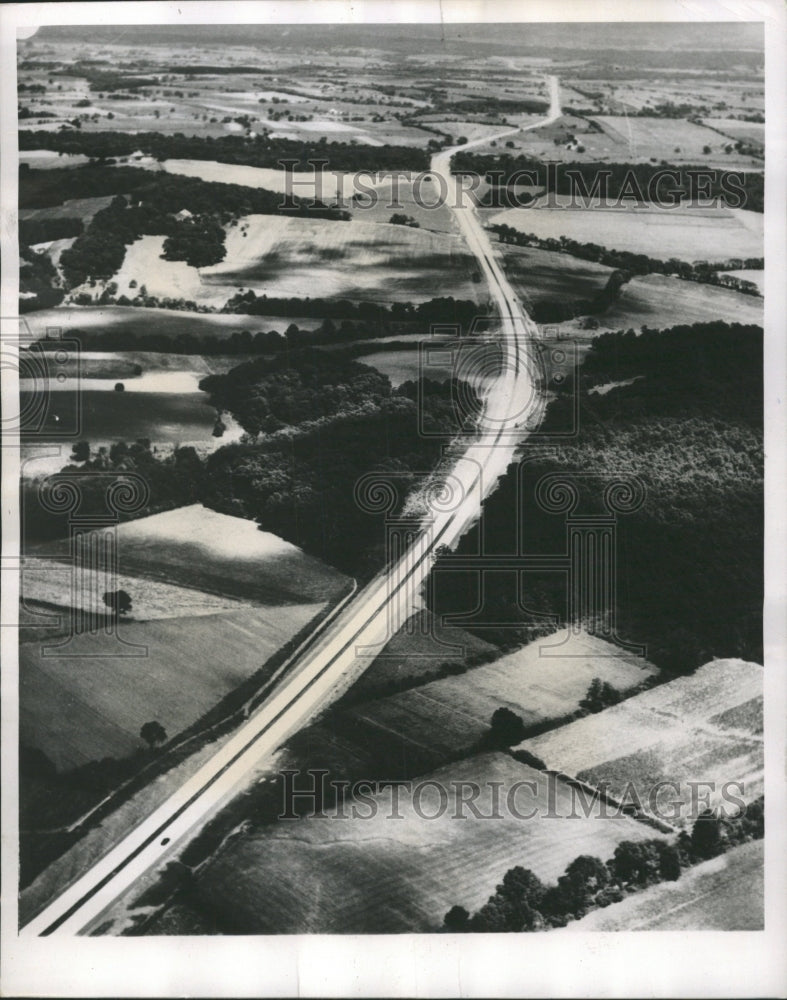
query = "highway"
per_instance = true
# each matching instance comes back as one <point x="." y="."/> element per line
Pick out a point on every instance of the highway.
<point x="334" y="659"/>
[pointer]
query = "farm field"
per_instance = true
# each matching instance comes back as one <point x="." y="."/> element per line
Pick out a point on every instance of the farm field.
<point x="67" y="321"/>
<point x="758" y="277"/>
<point x="658" y="300"/>
<point x="751" y="132"/>
<point x="675" y="139"/>
<point x="723" y="894"/>
<point x="90" y="702"/>
<point x="201" y="548"/>
<point x="75" y="208"/>
<point x="545" y="274"/>
<point x="382" y="876"/>
<point x="538" y="683"/>
<point x="287" y="256"/>
<point x="703" y="727"/>
<point x="212" y="599"/>
<point x="379" y="196"/>
<point x="684" y="233"/>
<point x="420" y="648"/>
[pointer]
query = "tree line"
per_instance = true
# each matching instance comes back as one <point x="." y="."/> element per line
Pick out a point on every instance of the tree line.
<point x="638" y="263"/>
<point x="645" y="182"/>
<point x="261" y="150"/>
<point x="522" y="902"/>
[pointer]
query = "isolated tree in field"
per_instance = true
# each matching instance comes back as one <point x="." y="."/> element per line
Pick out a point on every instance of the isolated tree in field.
<point x="507" y="727"/>
<point x="457" y="920"/>
<point x="118" y="600"/>
<point x="153" y="733"/>
<point x="80" y="452"/>
<point x="600" y="695"/>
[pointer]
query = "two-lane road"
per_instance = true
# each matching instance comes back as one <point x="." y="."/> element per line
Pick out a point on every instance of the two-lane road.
<point x="337" y="657"/>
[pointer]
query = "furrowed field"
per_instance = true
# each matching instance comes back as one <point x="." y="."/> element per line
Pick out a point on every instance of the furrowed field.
<point x="379" y="875"/>
<point x="704" y="727"/>
<point x="723" y="894"/>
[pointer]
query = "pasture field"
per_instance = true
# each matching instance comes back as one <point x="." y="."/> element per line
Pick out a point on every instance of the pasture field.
<point x="723" y="894"/>
<point x="545" y="274"/>
<point x="677" y="732"/>
<point x="420" y="649"/>
<point x="68" y="321"/>
<point x="200" y="548"/>
<point x="539" y="682"/>
<point x="674" y="139"/>
<point x="751" y="132"/>
<point x="76" y="208"/>
<point x="288" y="256"/>
<point x="658" y="300"/>
<point x="380" y="875"/>
<point x="212" y="599"/>
<point x="90" y="702"/>
<point x="684" y="233"/>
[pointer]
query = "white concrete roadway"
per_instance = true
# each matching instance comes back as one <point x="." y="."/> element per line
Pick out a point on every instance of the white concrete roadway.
<point x="332" y="662"/>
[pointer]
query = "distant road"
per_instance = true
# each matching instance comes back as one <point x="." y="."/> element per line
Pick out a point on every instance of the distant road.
<point x="334" y="659"/>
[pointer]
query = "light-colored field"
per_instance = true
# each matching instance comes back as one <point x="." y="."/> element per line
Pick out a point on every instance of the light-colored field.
<point x="50" y="582"/>
<point x="723" y="894"/>
<point x="383" y="194"/>
<point x="90" y="702"/>
<point x="89" y="699"/>
<point x="683" y="233"/>
<point x="658" y="300"/>
<point x="538" y="683"/>
<point x="642" y="138"/>
<point x="196" y="547"/>
<point x="752" y="132"/>
<point x="382" y="875"/>
<point x="668" y="734"/>
<point x="287" y="256"/>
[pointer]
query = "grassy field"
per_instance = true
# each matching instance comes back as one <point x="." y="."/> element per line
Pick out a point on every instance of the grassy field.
<point x="684" y="233"/>
<point x="380" y="875"/>
<point x="286" y="256"/>
<point x="657" y="300"/>
<point x="67" y="321"/>
<point x="420" y="649"/>
<point x="538" y="683"/>
<point x="676" y="732"/>
<point x="200" y="548"/>
<point x="76" y="208"/>
<point x="751" y="132"/>
<point x="91" y="703"/>
<point x="414" y="196"/>
<point x="182" y="569"/>
<point x="723" y="894"/>
<point x="545" y="274"/>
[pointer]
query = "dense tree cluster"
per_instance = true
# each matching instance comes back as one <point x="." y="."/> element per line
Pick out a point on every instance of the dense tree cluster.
<point x="689" y="564"/>
<point x="522" y="902"/>
<point x="46" y="230"/>
<point x="260" y="151"/>
<point x="174" y="480"/>
<point x="150" y="207"/>
<point x="38" y="281"/>
<point x="268" y="394"/>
